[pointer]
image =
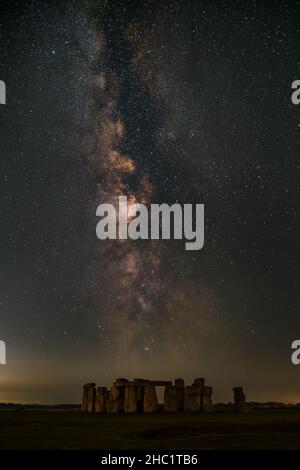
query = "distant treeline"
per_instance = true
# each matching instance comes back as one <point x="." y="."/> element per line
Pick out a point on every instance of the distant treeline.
<point x="76" y="407"/>
<point x="21" y="406"/>
<point x="255" y="404"/>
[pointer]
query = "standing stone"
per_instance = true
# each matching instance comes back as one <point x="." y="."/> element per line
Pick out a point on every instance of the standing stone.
<point x="121" y="382"/>
<point x="170" y="399"/>
<point x="199" y="382"/>
<point x="179" y="386"/>
<point x="115" y="400"/>
<point x="88" y="398"/>
<point x="199" y="386"/>
<point x="192" y="399"/>
<point x="239" y="399"/>
<point x="140" y="398"/>
<point x="130" y="401"/>
<point x="174" y="396"/>
<point x="150" y="399"/>
<point x="101" y="400"/>
<point x="91" y="398"/>
<point x="84" y="398"/>
<point x="207" y="405"/>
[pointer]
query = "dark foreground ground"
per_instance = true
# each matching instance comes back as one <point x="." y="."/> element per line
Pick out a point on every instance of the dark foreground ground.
<point x="40" y="429"/>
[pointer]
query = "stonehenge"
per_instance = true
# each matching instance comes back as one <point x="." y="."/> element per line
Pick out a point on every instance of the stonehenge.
<point x="139" y="395"/>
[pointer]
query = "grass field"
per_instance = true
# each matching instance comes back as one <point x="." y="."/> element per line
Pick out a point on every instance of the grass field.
<point x="40" y="429"/>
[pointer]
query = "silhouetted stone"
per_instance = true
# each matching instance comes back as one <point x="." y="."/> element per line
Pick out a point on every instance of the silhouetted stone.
<point x="101" y="400"/>
<point x="239" y="399"/>
<point x="131" y="401"/>
<point x="207" y="391"/>
<point x="84" y="398"/>
<point x="115" y="399"/>
<point x="174" y="396"/>
<point x="199" y="382"/>
<point x="150" y="399"/>
<point x="88" y="398"/>
<point x="207" y="405"/>
<point x="141" y="381"/>
<point x="170" y="399"/>
<point x="192" y="398"/>
<point x="91" y="399"/>
<point x="179" y="384"/>
<point x="121" y="382"/>
<point x="140" y="398"/>
<point x="156" y="383"/>
<point x="206" y="399"/>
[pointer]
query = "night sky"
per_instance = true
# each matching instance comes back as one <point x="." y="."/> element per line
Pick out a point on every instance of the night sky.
<point x="162" y="101"/>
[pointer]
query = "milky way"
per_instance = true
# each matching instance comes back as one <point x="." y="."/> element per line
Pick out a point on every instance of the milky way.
<point x="146" y="305"/>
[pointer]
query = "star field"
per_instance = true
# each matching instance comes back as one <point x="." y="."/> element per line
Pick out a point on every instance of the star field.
<point x="185" y="101"/>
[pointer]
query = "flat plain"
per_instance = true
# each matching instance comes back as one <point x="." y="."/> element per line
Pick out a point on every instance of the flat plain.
<point x="68" y="430"/>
